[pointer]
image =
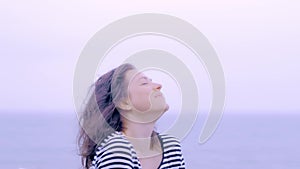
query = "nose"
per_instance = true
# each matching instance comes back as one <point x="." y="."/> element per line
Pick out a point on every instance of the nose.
<point x="157" y="86"/>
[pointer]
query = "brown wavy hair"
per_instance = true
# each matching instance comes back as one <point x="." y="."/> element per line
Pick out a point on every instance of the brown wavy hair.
<point x="100" y="117"/>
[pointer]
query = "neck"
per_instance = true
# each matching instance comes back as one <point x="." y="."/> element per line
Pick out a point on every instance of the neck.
<point x="137" y="130"/>
<point x="139" y="134"/>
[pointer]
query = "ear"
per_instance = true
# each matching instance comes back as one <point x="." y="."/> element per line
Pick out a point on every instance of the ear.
<point x="125" y="105"/>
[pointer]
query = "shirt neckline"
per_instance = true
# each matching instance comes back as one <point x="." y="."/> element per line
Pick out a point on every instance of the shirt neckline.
<point x="161" y="145"/>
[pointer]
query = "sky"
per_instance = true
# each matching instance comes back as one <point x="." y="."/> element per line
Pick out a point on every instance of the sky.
<point x="257" y="42"/>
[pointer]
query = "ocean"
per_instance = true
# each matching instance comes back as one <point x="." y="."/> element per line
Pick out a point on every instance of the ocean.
<point x="254" y="141"/>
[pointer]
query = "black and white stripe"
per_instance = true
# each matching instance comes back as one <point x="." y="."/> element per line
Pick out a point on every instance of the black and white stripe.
<point x="117" y="152"/>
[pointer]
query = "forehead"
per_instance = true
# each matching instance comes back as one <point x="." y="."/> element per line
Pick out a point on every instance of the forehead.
<point x="135" y="75"/>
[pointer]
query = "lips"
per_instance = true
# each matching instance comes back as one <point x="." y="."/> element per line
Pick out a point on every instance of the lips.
<point x="159" y="95"/>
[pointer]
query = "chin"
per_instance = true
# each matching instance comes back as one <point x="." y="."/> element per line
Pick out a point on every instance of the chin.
<point x="166" y="108"/>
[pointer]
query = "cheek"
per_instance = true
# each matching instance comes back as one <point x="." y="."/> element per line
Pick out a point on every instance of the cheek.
<point x="140" y="99"/>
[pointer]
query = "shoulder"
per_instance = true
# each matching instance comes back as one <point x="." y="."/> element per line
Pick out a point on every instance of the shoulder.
<point x="114" y="152"/>
<point x="173" y="157"/>
<point x="112" y="143"/>
<point x="171" y="145"/>
<point x="168" y="139"/>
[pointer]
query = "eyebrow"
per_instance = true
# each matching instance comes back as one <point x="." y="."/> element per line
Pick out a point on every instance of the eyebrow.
<point x="144" y="77"/>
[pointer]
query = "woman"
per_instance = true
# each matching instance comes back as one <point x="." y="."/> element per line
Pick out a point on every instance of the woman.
<point x="117" y="124"/>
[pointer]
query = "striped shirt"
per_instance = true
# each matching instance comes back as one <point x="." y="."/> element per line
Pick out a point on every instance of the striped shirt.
<point x="117" y="152"/>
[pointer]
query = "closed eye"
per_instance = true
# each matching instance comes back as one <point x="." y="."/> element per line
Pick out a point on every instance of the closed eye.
<point x="145" y="80"/>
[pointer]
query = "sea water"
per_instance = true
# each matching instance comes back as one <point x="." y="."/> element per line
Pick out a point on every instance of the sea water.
<point x="254" y="141"/>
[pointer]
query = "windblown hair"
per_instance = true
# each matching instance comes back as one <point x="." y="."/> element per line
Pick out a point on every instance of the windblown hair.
<point x="100" y="116"/>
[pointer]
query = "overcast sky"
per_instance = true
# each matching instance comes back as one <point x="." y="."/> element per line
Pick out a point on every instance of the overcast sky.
<point x="257" y="42"/>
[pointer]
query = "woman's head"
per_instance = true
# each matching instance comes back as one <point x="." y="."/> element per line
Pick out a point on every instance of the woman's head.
<point x="144" y="102"/>
<point x="128" y="92"/>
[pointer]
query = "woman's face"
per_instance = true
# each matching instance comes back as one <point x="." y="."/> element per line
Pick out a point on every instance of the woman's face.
<point x="145" y="96"/>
